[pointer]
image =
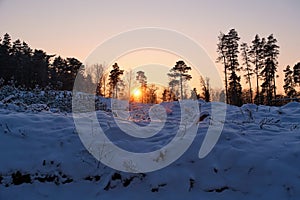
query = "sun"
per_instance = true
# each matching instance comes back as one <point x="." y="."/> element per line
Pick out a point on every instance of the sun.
<point x="137" y="93"/>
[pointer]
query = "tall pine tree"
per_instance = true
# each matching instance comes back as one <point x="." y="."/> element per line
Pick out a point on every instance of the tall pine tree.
<point x="256" y="54"/>
<point x="222" y="51"/>
<point x="247" y="67"/>
<point x="114" y="78"/>
<point x="268" y="73"/>
<point x="235" y="88"/>
<point x="180" y="70"/>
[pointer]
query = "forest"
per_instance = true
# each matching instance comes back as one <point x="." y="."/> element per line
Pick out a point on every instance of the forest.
<point x="27" y="69"/>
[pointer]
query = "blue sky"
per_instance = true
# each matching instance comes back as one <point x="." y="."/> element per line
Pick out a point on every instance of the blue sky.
<point x="73" y="28"/>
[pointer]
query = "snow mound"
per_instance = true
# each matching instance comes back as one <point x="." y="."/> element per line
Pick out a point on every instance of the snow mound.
<point x="256" y="157"/>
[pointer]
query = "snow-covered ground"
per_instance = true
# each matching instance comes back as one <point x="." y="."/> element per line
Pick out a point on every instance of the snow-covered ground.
<point x="256" y="157"/>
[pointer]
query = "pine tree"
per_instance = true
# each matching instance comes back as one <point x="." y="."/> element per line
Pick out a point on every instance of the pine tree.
<point x="289" y="82"/>
<point x="114" y="78"/>
<point x="296" y="74"/>
<point x="40" y="66"/>
<point x="247" y="67"/>
<point x="57" y="72"/>
<point x="235" y="88"/>
<point x="17" y="61"/>
<point x="30" y="67"/>
<point x="6" y="71"/>
<point x="27" y="53"/>
<point x="72" y="67"/>
<point x="256" y="54"/>
<point x="271" y="52"/>
<point x="180" y="70"/>
<point x="222" y="51"/>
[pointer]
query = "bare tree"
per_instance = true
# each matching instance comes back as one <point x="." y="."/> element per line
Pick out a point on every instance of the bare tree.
<point x="98" y="73"/>
<point x="151" y="94"/>
<point x="129" y="82"/>
<point x="104" y="83"/>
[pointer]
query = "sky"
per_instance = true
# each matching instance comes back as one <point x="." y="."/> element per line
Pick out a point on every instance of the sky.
<point x="74" y="28"/>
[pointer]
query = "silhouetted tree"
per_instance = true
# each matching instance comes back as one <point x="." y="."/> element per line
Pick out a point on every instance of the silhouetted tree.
<point x="256" y="54"/>
<point x="6" y="71"/>
<point x="235" y="88"/>
<point x="30" y="68"/>
<point x="296" y="73"/>
<point x="247" y="67"/>
<point x="142" y="79"/>
<point x="63" y="72"/>
<point x="222" y="58"/>
<point x="151" y="96"/>
<point x="271" y="52"/>
<point x="114" y="78"/>
<point x="180" y="70"/>
<point x="40" y="64"/>
<point x="168" y="95"/>
<point x="57" y="71"/>
<point x="289" y="82"/>
<point x="73" y="66"/>
<point x="27" y="53"/>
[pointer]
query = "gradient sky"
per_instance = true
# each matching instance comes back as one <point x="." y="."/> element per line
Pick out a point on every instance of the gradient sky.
<point x="73" y="28"/>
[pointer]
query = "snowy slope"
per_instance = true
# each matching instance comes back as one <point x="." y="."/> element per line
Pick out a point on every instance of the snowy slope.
<point x="256" y="157"/>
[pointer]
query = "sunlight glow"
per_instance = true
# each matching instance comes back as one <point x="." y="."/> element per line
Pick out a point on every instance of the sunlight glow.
<point x="137" y="93"/>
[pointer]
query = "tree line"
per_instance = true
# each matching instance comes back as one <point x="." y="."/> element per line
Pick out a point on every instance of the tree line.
<point x="260" y="59"/>
<point x="30" y="68"/>
<point x="259" y="62"/>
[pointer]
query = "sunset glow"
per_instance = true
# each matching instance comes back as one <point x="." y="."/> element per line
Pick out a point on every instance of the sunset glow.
<point x="137" y="93"/>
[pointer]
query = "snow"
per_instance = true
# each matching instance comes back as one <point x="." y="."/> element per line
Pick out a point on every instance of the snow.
<point x="256" y="157"/>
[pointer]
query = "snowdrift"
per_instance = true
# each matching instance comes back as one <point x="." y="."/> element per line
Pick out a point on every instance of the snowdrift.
<point x="256" y="157"/>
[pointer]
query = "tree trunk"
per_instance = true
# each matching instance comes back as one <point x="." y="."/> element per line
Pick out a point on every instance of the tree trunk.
<point x="249" y="81"/>
<point x="181" y="90"/>
<point x="257" y="87"/>
<point x="116" y="91"/>
<point x="274" y="87"/>
<point x="226" y="84"/>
